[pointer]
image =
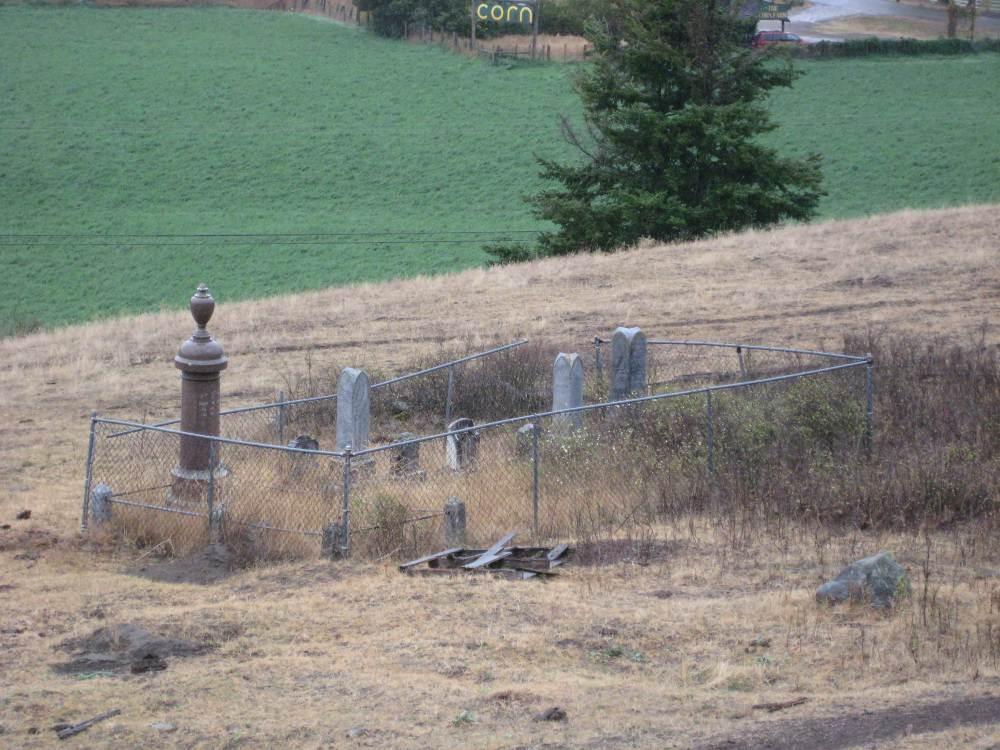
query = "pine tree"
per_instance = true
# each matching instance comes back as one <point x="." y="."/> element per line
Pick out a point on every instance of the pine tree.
<point x="674" y="107"/>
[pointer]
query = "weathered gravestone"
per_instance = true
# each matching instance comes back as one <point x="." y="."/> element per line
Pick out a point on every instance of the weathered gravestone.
<point x="353" y="410"/>
<point x="100" y="504"/>
<point x="304" y="442"/>
<point x="461" y="448"/>
<point x="331" y="543"/>
<point x="878" y="579"/>
<point x="524" y="440"/>
<point x="454" y="523"/>
<point x="404" y="460"/>
<point x="628" y="363"/>
<point x="567" y="388"/>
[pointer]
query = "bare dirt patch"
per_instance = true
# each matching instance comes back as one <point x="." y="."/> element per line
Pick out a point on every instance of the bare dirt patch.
<point x="859" y="729"/>
<point x="117" y="648"/>
<point x="206" y="566"/>
<point x="615" y="551"/>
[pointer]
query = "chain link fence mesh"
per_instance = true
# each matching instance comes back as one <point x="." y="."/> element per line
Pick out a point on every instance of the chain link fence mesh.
<point x="608" y="470"/>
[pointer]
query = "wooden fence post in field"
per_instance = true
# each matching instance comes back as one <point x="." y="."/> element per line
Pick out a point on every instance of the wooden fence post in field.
<point x="534" y="28"/>
<point x="472" y="25"/>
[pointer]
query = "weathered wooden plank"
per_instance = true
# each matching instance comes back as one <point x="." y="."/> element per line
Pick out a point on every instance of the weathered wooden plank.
<point x="428" y="558"/>
<point x="492" y="551"/>
<point x="535" y="571"/>
<point x="508" y="572"/>
<point x="487" y="560"/>
<point x="528" y="563"/>
<point x="73" y="729"/>
<point x="558" y="551"/>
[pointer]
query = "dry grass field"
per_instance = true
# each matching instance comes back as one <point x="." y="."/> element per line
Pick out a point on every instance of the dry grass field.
<point x="672" y="649"/>
<point x="891" y="27"/>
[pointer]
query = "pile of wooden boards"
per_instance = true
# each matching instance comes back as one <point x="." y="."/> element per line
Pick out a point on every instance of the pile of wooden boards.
<point x="513" y="562"/>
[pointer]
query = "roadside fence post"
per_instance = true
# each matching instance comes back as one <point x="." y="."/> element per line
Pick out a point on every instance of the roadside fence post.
<point x="89" y="474"/>
<point x="598" y="364"/>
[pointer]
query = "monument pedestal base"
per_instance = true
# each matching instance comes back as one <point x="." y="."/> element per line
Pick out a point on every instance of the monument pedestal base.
<point x="190" y="486"/>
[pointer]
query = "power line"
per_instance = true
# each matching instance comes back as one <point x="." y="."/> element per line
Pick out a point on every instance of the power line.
<point x="409" y="244"/>
<point x="183" y="235"/>
<point x="403" y="239"/>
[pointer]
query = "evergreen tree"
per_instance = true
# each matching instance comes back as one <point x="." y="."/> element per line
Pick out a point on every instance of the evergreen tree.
<point x="674" y="107"/>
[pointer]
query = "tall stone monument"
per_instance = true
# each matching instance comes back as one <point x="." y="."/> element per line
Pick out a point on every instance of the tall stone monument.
<point x="628" y="363"/>
<point x="201" y="362"/>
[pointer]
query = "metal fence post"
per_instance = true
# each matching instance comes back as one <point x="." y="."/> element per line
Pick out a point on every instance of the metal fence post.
<point x="869" y="405"/>
<point x="534" y="479"/>
<point x="345" y="511"/>
<point x="89" y="474"/>
<point x="450" y="395"/>
<point x="598" y="364"/>
<point x="709" y="432"/>
<point x="281" y="417"/>
<point x="743" y="365"/>
<point x="212" y="458"/>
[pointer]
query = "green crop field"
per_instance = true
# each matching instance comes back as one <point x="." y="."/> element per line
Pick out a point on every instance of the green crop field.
<point x="232" y="122"/>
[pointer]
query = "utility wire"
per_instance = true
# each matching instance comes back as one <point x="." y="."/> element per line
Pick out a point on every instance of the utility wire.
<point x="267" y="235"/>
<point x="411" y="244"/>
<point x="409" y="238"/>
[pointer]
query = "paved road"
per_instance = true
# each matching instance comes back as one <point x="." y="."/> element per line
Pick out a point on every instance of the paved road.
<point x="827" y="10"/>
<point x="824" y="10"/>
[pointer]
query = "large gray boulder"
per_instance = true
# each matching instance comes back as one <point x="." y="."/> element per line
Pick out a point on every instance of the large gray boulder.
<point x="878" y="579"/>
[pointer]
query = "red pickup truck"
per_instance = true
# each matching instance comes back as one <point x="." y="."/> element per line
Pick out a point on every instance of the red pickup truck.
<point x="768" y="38"/>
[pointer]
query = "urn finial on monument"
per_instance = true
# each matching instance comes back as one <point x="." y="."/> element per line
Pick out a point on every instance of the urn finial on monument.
<point x="201" y="353"/>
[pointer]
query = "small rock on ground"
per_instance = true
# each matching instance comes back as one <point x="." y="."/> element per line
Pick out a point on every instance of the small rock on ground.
<point x="551" y="714"/>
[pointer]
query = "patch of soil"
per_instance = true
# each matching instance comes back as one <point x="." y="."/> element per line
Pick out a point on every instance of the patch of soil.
<point x="32" y="541"/>
<point x="866" y="728"/>
<point x="613" y="551"/>
<point x="206" y="566"/>
<point x="119" y="647"/>
<point x="303" y="575"/>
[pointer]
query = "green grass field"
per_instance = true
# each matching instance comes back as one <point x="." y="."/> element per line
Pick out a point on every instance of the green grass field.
<point x="221" y="121"/>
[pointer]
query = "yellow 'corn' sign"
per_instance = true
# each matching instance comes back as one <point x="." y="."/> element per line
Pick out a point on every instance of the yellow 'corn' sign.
<point x="501" y="11"/>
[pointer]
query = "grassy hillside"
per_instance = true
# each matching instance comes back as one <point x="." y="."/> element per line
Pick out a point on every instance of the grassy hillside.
<point x="653" y="652"/>
<point x="219" y="121"/>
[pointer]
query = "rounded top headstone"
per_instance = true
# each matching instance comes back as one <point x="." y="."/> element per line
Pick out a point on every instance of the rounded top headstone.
<point x="201" y="353"/>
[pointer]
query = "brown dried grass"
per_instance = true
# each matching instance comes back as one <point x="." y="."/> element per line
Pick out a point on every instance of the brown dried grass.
<point x="641" y="655"/>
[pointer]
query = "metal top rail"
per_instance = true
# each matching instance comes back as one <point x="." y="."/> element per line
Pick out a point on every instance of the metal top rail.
<point x="446" y="365"/>
<point x="333" y="396"/>
<point x="610" y="404"/>
<point x="754" y="347"/>
<point x="139" y="427"/>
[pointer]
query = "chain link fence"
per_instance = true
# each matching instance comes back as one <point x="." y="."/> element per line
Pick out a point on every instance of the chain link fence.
<point x="716" y="418"/>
